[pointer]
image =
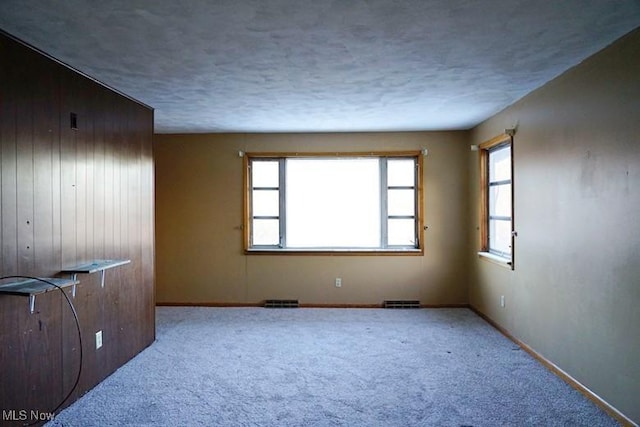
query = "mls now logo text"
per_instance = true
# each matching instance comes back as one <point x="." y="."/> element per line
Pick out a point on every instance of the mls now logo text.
<point x="24" y="415"/>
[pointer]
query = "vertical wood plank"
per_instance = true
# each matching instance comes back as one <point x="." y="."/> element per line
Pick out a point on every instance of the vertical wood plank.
<point x="99" y="183"/>
<point x="24" y="168"/>
<point x="68" y="136"/>
<point x="83" y="135"/>
<point x="45" y="140"/>
<point x="147" y="215"/>
<point x="8" y="185"/>
<point x="111" y="292"/>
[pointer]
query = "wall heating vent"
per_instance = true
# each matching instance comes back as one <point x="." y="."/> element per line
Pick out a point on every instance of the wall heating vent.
<point x="401" y="304"/>
<point x="281" y="303"/>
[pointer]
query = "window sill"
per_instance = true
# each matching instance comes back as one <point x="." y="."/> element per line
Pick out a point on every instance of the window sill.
<point x="496" y="259"/>
<point x="336" y="252"/>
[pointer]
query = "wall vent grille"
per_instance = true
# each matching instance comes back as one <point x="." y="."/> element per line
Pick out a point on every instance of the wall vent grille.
<point x="401" y="304"/>
<point x="281" y="303"/>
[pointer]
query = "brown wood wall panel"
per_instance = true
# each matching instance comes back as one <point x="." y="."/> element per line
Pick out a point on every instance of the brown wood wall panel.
<point x="68" y="139"/>
<point x="45" y="134"/>
<point x="8" y="180"/>
<point x="67" y="197"/>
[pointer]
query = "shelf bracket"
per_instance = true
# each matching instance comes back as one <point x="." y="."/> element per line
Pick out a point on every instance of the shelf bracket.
<point x="102" y="278"/>
<point x="74" y="277"/>
<point x="32" y="303"/>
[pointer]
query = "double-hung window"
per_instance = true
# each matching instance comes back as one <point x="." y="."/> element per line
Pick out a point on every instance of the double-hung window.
<point x="497" y="232"/>
<point x="347" y="202"/>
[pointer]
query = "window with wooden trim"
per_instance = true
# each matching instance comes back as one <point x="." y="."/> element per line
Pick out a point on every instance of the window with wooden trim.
<point x="496" y="210"/>
<point x="345" y="202"/>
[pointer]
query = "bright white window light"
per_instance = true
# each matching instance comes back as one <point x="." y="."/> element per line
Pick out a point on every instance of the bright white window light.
<point x="333" y="203"/>
<point x="500" y="201"/>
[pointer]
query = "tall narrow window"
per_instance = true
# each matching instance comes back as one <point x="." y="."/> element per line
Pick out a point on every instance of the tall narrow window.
<point x="342" y="203"/>
<point x="497" y="230"/>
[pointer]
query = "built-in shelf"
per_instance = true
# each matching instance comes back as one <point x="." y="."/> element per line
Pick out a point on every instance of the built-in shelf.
<point x="99" y="265"/>
<point x="33" y="287"/>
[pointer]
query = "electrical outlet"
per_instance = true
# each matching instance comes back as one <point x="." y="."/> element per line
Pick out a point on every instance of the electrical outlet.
<point x="338" y="282"/>
<point x="502" y="301"/>
<point x="98" y="339"/>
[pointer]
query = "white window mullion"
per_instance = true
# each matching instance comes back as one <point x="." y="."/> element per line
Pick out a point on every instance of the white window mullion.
<point x="282" y="178"/>
<point x="384" y="207"/>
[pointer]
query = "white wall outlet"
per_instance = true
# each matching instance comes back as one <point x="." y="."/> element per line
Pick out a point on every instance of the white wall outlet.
<point x="98" y="339"/>
<point x="338" y="282"/>
<point x="502" y="301"/>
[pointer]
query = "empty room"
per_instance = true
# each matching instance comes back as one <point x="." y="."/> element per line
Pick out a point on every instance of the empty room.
<point x="320" y="213"/>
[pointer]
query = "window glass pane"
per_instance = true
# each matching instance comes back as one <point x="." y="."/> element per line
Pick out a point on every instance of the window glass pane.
<point x="401" y="232"/>
<point x="264" y="173"/>
<point x="500" y="164"/>
<point x="500" y="200"/>
<point x="401" y="172"/>
<point x="333" y="203"/>
<point x="266" y="232"/>
<point x="401" y="202"/>
<point x="265" y="203"/>
<point x="500" y="236"/>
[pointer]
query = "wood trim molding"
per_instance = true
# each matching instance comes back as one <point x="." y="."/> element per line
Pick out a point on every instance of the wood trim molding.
<point x="309" y="305"/>
<point x="247" y="194"/>
<point x="420" y="185"/>
<point x="597" y="400"/>
<point x="337" y="252"/>
<point x="208" y="304"/>
<point x="414" y="153"/>
<point x="483" y="200"/>
<point x="246" y="220"/>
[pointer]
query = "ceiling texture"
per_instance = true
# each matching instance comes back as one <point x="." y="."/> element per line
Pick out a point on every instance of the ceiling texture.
<point x="321" y="65"/>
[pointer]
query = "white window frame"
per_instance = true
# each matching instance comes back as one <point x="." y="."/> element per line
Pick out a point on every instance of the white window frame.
<point x="383" y="248"/>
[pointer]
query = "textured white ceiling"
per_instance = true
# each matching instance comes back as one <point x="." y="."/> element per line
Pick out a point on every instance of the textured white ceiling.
<point x="321" y="65"/>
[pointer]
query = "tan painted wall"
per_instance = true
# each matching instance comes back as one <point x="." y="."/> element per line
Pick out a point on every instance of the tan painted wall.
<point x="575" y="293"/>
<point x="199" y="214"/>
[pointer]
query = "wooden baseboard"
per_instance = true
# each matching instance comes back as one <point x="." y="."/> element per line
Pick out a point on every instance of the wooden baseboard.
<point x="208" y="304"/>
<point x="444" y="305"/>
<point x="261" y="304"/>
<point x="340" y="305"/>
<point x="600" y="402"/>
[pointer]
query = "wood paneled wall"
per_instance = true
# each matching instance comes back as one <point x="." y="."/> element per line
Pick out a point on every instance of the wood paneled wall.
<point x="68" y="197"/>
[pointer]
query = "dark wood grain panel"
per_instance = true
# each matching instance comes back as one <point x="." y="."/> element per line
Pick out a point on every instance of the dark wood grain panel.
<point x="25" y="112"/>
<point x="68" y="199"/>
<point x="98" y="176"/>
<point x="147" y="227"/>
<point x="88" y="305"/>
<point x="148" y="220"/>
<point x="132" y="309"/>
<point x="8" y="156"/>
<point x="13" y="392"/>
<point x="46" y="123"/>
<point x="70" y="345"/>
<point x="71" y="196"/>
<point x="112" y="209"/>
